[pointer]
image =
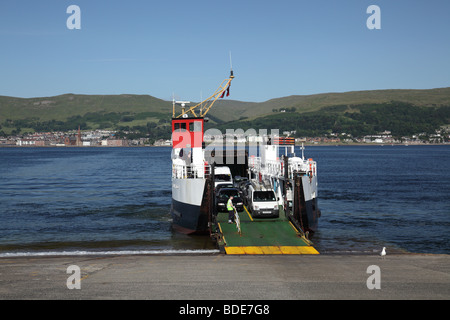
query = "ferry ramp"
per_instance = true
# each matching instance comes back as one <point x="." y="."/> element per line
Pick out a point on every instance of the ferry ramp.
<point x="261" y="236"/>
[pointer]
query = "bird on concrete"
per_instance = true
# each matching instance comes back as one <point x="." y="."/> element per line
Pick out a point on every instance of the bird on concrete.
<point x="383" y="253"/>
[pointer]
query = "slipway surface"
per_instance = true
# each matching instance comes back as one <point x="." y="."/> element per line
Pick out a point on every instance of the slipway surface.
<point x="262" y="236"/>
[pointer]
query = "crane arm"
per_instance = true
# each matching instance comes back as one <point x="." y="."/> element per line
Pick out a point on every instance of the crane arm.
<point x="206" y="104"/>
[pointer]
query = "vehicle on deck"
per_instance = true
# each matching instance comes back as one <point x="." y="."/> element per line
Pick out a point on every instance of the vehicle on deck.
<point x="262" y="202"/>
<point x="224" y="194"/>
<point x="238" y="180"/>
<point x="222" y="175"/>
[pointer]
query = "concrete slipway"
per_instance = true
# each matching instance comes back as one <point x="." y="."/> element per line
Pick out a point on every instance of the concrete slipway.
<point x="229" y="277"/>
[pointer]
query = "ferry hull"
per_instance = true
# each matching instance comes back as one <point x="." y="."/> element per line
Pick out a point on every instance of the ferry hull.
<point x="188" y="214"/>
<point x="188" y="218"/>
<point x="310" y="216"/>
<point x="310" y="220"/>
<point x="306" y="212"/>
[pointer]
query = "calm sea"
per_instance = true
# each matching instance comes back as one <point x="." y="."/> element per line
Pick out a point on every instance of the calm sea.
<point x="99" y="200"/>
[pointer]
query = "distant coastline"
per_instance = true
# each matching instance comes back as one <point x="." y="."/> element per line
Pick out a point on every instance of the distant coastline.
<point x="297" y="145"/>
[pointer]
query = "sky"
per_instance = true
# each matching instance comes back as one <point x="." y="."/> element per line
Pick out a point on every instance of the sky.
<point x="182" y="48"/>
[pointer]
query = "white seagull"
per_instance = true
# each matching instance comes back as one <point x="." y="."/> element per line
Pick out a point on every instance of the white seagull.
<point x="383" y="252"/>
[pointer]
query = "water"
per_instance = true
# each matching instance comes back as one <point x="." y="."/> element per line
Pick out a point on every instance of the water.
<point x="375" y="196"/>
<point x="117" y="200"/>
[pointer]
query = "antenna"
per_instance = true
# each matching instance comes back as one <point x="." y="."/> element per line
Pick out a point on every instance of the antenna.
<point x="231" y="66"/>
<point x="173" y="104"/>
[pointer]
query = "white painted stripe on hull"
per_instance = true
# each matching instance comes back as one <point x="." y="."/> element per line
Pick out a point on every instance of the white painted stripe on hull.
<point x="189" y="191"/>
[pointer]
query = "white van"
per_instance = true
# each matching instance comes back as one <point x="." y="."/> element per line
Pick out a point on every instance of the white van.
<point x="262" y="202"/>
<point x="222" y="175"/>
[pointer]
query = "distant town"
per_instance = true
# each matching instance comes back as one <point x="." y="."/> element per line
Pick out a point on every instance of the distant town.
<point x="108" y="138"/>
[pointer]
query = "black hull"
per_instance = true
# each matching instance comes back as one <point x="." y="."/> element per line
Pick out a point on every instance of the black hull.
<point x="310" y="217"/>
<point x="189" y="219"/>
<point x="306" y="212"/>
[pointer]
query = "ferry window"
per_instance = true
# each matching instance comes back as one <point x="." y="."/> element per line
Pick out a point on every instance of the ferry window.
<point x="195" y="126"/>
<point x="180" y="126"/>
<point x="264" y="196"/>
<point x="222" y="177"/>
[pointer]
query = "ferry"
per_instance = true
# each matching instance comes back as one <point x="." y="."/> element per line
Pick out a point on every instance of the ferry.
<point x="278" y="188"/>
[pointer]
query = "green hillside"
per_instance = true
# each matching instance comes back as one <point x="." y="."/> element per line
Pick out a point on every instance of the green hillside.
<point x="352" y="112"/>
<point x="69" y="105"/>
<point x="401" y="118"/>
<point x="69" y="111"/>
<point x="403" y="112"/>
<point x="233" y="110"/>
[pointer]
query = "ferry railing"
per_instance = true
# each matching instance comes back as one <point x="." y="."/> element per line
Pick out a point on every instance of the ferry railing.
<point x="274" y="167"/>
<point x="254" y="163"/>
<point x="308" y="167"/>
<point x="192" y="171"/>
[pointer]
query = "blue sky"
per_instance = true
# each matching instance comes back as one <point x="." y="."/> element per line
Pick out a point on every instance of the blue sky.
<point x="279" y="48"/>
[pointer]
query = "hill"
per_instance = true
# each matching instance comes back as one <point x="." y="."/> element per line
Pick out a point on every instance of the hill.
<point x="234" y="110"/>
<point x="401" y="118"/>
<point x="68" y="105"/>
<point x="357" y="112"/>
